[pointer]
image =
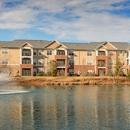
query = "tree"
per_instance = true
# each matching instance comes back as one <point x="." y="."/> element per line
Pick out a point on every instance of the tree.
<point x="128" y="76"/>
<point x="118" y="68"/>
<point x="53" y="67"/>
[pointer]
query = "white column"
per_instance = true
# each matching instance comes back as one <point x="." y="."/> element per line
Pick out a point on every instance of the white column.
<point x="55" y="51"/>
<point x="65" y="52"/>
<point x="129" y="57"/>
<point x="20" y="55"/>
<point x="106" y="52"/>
<point x="96" y="52"/>
<point x="31" y="55"/>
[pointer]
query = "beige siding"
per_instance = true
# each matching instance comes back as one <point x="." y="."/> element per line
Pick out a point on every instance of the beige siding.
<point x="26" y="45"/>
<point x="102" y="47"/>
<point x="81" y="57"/>
<point x="61" y="46"/>
<point x="53" y="45"/>
<point x="107" y="45"/>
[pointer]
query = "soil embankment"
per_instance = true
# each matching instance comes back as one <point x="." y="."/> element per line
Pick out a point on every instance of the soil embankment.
<point x="66" y="81"/>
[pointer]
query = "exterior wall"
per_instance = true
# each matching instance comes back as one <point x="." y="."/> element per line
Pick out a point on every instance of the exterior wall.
<point x="105" y="58"/>
<point x="52" y="45"/>
<point x="63" y="57"/>
<point x="83" y="68"/>
<point x="80" y="58"/>
<point x="13" y="56"/>
<point x="23" y="66"/>
<point x="107" y="45"/>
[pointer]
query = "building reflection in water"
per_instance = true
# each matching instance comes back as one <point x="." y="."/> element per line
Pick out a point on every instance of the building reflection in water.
<point x="74" y="107"/>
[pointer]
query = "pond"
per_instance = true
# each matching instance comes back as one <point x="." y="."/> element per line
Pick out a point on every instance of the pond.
<point x="65" y="108"/>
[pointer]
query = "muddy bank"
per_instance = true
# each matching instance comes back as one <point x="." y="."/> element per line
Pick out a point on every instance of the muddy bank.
<point x="94" y="81"/>
<point x="65" y="81"/>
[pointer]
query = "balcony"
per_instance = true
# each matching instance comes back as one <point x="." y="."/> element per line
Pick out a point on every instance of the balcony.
<point x="101" y="53"/>
<point x="26" y="62"/>
<point x="26" y="54"/>
<point x="60" y="64"/>
<point x="101" y="64"/>
<point x="60" y="52"/>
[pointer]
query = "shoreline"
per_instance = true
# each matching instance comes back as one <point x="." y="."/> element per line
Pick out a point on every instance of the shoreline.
<point x="60" y="81"/>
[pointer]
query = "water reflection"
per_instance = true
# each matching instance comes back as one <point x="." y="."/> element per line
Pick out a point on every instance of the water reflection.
<point x="66" y="108"/>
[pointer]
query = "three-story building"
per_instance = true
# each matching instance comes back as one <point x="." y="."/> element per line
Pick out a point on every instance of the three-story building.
<point x="29" y="57"/>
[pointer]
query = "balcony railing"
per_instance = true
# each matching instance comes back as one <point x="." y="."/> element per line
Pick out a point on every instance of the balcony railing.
<point x="101" y="65"/>
<point x="101" y="54"/>
<point x="60" y="64"/>
<point x="26" y="54"/>
<point x="26" y="62"/>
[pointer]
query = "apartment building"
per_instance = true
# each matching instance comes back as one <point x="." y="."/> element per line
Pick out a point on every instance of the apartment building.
<point x="29" y="57"/>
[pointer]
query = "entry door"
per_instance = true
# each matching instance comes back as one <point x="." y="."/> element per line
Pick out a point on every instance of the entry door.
<point x="26" y="72"/>
<point x="101" y="72"/>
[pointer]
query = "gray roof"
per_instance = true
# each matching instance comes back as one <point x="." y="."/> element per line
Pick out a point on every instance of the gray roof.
<point x="120" y="45"/>
<point x="3" y="43"/>
<point x="34" y="43"/>
<point x="82" y="46"/>
<point x="73" y="46"/>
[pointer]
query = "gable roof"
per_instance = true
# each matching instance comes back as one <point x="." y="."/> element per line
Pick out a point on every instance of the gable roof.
<point x="50" y="42"/>
<point x="3" y="43"/>
<point x="19" y="43"/>
<point x="120" y="45"/>
<point x="75" y="46"/>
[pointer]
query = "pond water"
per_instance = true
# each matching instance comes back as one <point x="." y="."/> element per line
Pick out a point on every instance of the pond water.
<point x="65" y="108"/>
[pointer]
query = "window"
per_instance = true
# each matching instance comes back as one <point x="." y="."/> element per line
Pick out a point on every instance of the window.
<point x="5" y="50"/>
<point x="47" y="61"/>
<point x="39" y="61"/>
<point x="34" y="71"/>
<point x="71" y="70"/>
<point x="123" y="62"/>
<point x="111" y="62"/>
<point x="71" y="52"/>
<point x="110" y="71"/>
<point x="39" y="52"/>
<point x="5" y="61"/>
<point x="71" y="62"/>
<point x="49" y="52"/>
<point x="89" y="53"/>
<point x="89" y="62"/>
<point x="118" y="53"/>
<point x="111" y="52"/>
<point x="89" y="71"/>
<point x="123" y="53"/>
<point x="34" y="61"/>
<point x="26" y="61"/>
<point x="40" y="70"/>
<point x="35" y="52"/>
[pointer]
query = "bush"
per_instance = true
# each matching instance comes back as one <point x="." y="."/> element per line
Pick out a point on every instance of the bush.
<point x="73" y="74"/>
<point x="91" y="74"/>
<point x="40" y="74"/>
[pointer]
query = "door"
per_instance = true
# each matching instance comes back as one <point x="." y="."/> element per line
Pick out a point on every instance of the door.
<point x="26" y="72"/>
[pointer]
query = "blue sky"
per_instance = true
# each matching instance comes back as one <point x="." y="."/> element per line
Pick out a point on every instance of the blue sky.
<point x="65" y="20"/>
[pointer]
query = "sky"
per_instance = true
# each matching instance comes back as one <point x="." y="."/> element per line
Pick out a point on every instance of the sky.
<point x="65" y="20"/>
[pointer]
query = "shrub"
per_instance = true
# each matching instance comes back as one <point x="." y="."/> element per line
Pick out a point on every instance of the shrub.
<point x="39" y="74"/>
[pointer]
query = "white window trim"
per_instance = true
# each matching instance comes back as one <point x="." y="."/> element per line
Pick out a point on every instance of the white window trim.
<point x="40" y="52"/>
<point x="5" y="60"/>
<point x="34" y="52"/>
<point x="5" y="50"/>
<point x="89" y="53"/>
<point x="34" y="61"/>
<point x="49" y="52"/>
<point x="71" y="52"/>
<point x="70" y="62"/>
<point x="90" y="62"/>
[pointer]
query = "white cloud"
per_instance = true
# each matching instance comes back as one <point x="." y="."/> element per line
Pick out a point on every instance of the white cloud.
<point x="60" y="18"/>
